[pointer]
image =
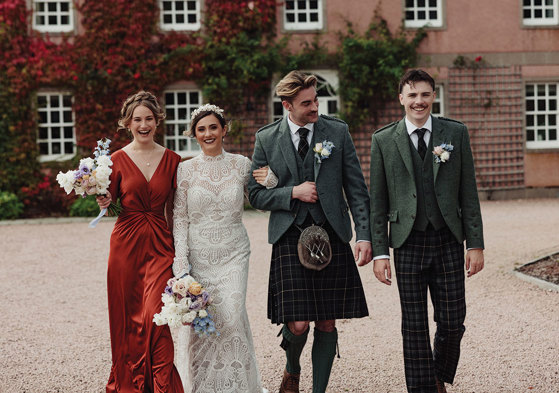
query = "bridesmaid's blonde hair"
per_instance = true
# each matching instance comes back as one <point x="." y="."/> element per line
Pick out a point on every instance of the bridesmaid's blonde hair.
<point x="144" y="98"/>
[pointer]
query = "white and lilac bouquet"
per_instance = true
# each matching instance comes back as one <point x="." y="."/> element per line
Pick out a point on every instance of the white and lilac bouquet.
<point x="186" y="302"/>
<point x="323" y="150"/>
<point x="91" y="177"/>
<point x="442" y="152"/>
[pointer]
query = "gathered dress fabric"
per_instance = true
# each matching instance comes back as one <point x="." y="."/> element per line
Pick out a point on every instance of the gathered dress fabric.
<point x="140" y="263"/>
<point x="211" y="243"/>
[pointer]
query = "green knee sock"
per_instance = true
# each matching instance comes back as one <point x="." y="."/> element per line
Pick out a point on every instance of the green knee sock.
<point x="294" y="349"/>
<point x="323" y="352"/>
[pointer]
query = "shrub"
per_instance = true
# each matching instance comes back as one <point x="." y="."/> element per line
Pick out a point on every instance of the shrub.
<point x="10" y="206"/>
<point x="46" y="199"/>
<point x="84" y="207"/>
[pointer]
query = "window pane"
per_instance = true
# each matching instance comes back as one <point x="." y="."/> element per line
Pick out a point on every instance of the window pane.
<point x="552" y="105"/>
<point x="421" y="3"/>
<point x="332" y="107"/>
<point x="552" y="90"/>
<point x="313" y="5"/>
<point x="179" y="5"/>
<point x="56" y="148"/>
<point x="551" y="120"/>
<point x="541" y="105"/>
<point x="530" y="105"/>
<point x="68" y="132"/>
<point x="541" y="135"/>
<point x="529" y="90"/>
<point x="194" y="98"/>
<point x="182" y="113"/>
<point x="64" y="7"/>
<point x="55" y="132"/>
<point x="179" y="18"/>
<point x="302" y="4"/>
<point x="167" y="19"/>
<point x="537" y="2"/>
<point x="549" y="13"/>
<point x="181" y="99"/>
<point x="43" y="148"/>
<point x="54" y="101"/>
<point x="183" y="144"/>
<point x="67" y="101"/>
<point x="52" y="20"/>
<point x="527" y="14"/>
<point x="51" y="6"/>
<point x="432" y="14"/>
<point x="170" y="129"/>
<point x="302" y="17"/>
<point x="191" y="18"/>
<point x="289" y="5"/>
<point x="54" y="117"/>
<point x="191" y="5"/>
<point x="538" y="13"/>
<point x="410" y="15"/>
<point x="171" y="144"/>
<point x="432" y="3"/>
<point x="68" y="147"/>
<point x="421" y="15"/>
<point x="290" y="17"/>
<point x="529" y="120"/>
<point x="43" y="133"/>
<point x="552" y="134"/>
<point x="313" y="17"/>
<point x="67" y="116"/>
<point x="409" y="3"/>
<point x="541" y="120"/>
<point x="42" y="117"/>
<point x="64" y="20"/>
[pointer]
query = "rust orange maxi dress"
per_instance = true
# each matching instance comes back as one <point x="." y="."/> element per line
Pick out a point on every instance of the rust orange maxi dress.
<point x="140" y="260"/>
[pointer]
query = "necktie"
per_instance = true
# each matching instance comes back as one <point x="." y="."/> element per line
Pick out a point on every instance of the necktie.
<point x="303" y="143"/>
<point x="421" y="146"/>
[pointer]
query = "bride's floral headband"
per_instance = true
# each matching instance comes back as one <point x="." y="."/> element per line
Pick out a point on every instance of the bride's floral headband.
<point x="206" y="108"/>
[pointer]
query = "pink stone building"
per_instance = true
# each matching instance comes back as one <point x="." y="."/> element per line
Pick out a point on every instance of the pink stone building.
<point x="507" y="93"/>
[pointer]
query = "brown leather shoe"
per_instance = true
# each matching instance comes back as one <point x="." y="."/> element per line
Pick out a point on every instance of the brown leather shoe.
<point x="440" y="387"/>
<point x="289" y="383"/>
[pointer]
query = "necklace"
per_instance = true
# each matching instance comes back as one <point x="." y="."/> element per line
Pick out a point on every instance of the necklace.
<point x="149" y="155"/>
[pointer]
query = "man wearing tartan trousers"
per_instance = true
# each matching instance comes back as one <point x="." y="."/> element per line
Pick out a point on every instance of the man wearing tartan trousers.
<point x="311" y="191"/>
<point x="423" y="183"/>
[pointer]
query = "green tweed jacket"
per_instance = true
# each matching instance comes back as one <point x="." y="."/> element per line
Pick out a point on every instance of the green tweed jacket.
<point x="393" y="190"/>
<point x="337" y="176"/>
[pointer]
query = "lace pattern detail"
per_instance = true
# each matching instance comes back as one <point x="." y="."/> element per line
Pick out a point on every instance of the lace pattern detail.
<point x="211" y="240"/>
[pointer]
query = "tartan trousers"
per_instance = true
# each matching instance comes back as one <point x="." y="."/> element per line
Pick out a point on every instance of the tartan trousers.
<point x="431" y="260"/>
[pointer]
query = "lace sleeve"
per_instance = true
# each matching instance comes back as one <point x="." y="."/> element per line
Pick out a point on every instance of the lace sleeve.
<point x="180" y="224"/>
<point x="271" y="180"/>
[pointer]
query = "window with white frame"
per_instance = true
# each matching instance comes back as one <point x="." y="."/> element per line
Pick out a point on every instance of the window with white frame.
<point x="539" y="12"/>
<point x="541" y="115"/>
<point x="179" y="104"/>
<point x="328" y="99"/>
<point x="53" y="16"/>
<point x="180" y="15"/>
<point x="419" y="13"/>
<point x="56" y="134"/>
<point x="302" y="15"/>
<point x="438" y="106"/>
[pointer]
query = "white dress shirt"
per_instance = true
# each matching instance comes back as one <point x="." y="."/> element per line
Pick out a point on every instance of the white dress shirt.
<point x="294" y="128"/>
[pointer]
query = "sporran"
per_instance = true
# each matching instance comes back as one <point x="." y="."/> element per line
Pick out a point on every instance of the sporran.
<point x="314" y="248"/>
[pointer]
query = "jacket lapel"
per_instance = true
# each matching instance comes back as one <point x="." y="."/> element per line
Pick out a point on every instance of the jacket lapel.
<point x="438" y="139"/>
<point x="287" y="149"/>
<point x="402" y="138"/>
<point x="319" y="135"/>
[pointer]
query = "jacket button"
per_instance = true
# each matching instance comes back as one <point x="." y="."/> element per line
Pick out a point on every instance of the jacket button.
<point x="413" y="216"/>
<point x="413" y="195"/>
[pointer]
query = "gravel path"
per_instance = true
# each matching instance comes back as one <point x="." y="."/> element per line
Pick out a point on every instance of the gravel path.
<point x="55" y="332"/>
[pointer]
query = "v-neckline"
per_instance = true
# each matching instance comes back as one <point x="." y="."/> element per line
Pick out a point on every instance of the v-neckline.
<point x="139" y="170"/>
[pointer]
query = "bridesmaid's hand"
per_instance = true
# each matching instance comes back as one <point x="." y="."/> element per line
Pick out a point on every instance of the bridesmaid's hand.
<point x="104" y="200"/>
<point x="260" y="175"/>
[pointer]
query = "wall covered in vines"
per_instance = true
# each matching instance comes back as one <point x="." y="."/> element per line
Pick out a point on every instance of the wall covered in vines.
<point x="120" y="49"/>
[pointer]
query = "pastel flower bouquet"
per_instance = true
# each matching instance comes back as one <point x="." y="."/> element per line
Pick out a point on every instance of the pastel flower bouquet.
<point x="186" y="302"/>
<point x="442" y="152"/>
<point x="91" y="177"/>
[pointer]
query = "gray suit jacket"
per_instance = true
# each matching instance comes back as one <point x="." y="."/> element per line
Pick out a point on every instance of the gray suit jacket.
<point x="393" y="190"/>
<point x="337" y="176"/>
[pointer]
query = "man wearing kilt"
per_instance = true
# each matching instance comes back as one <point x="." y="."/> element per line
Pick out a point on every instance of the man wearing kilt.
<point x="423" y="183"/>
<point x="313" y="188"/>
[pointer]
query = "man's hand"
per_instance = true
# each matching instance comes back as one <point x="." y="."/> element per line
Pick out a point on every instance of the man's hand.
<point x="474" y="261"/>
<point x="305" y="192"/>
<point x="381" y="268"/>
<point x="363" y="253"/>
<point x="104" y="201"/>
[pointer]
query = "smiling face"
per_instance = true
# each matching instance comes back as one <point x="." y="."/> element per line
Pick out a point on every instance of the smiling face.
<point x="143" y="124"/>
<point x="417" y="101"/>
<point x="209" y="134"/>
<point x="304" y="107"/>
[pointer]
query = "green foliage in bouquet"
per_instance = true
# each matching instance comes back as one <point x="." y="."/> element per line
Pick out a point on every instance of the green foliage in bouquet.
<point x="10" y="206"/>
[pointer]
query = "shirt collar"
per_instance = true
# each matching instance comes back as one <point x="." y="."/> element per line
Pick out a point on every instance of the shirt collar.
<point x="411" y="127"/>
<point x="294" y="127"/>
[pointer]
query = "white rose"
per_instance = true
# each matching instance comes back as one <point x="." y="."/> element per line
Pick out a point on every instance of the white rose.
<point x="445" y="156"/>
<point x="202" y="314"/>
<point x="173" y="321"/>
<point x="159" y="320"/>
<point x="167" y="299"/>
<point x="188" y="280"/>
<point x="325" y="153"/>
<point x="88" y="162"/>
<point x="66" y="180"/>
<point x="102" y="173"/>
<point x="189" y="317"/>
<point x="318" y="147"/>
<point x="104" y="161"/>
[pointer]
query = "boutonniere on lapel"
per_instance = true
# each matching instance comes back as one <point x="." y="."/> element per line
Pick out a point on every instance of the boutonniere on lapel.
<point x="323" y="150"/>
<point x="442" y="152"/>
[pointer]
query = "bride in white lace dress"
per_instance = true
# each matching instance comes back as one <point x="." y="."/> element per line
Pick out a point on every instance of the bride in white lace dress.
<point x="211" y="244"/>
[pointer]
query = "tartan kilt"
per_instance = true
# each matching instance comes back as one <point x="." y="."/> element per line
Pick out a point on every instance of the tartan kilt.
<point x="299" y="294"/>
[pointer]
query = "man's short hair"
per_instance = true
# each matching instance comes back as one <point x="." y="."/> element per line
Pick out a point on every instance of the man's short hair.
<point x="291" y="84"/>
<point x="413" y="76"/>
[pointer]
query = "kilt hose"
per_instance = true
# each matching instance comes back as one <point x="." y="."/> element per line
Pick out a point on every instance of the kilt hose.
<point x="431" y="260"/>
<point x="296" y="293"/>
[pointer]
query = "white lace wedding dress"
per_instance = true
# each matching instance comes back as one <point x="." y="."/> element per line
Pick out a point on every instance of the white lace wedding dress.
<point x="211" y="242"/>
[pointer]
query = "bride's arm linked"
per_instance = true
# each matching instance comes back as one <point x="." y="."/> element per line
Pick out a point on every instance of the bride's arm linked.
<point x="264" y="176"/>
<point x="180" y="224"/>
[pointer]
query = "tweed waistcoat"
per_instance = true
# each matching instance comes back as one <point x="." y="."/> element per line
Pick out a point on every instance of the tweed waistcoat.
<point x="305" y="170"/>
<point x="427" y="207"/>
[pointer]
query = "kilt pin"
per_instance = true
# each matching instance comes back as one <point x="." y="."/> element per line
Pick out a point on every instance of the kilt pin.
<point x="431" y="208"/>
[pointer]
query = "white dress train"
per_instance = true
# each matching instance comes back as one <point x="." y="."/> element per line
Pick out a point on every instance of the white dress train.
<point x="211" y="241"/>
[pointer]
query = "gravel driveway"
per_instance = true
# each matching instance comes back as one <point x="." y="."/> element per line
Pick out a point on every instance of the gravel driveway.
<point x="55" y="332"/>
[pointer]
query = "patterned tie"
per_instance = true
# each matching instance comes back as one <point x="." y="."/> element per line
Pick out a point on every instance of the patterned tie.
<point x="303" y="143"/>
<point x="421" y="146"/>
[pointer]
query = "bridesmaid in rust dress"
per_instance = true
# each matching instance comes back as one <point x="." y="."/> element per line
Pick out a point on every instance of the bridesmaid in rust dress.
<point x="141" y="254"/>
